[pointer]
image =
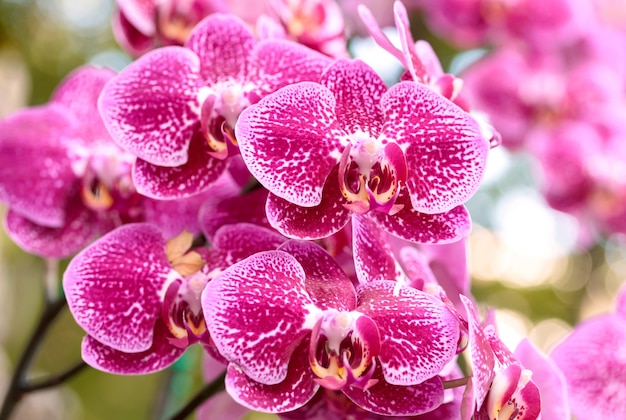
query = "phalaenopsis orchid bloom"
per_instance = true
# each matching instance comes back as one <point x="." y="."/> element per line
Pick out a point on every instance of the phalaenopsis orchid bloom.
<point x="175" y="108"/>
<point x="137" y="294"/>
<point x="381" y="344"/>
<point x="348" y="145"/>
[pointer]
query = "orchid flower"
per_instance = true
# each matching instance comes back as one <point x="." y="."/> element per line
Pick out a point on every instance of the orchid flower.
<point x="175" y="107"/>
<point x="404" y="156"/>
<point x="290" y="321"/>
<point x="137" y="295"/>
<point x="592" y="361"/>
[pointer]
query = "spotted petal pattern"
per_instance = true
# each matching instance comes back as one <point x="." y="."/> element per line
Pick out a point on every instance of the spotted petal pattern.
<point x="419" y="333"/>
<point x="259" y="306"/>
<point x="114" y="287"/>
<point x="444" y="148"/>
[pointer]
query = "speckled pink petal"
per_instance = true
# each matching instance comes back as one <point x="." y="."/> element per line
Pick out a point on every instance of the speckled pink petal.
<point x="151" y="108"/>
<point x="238" y="241"/>
<point x="310" y="223"/>
<point x="418" y="332"/>
<point x="224" y="45"/>
<point x="291" y="140"/>
<point x="80" y="228"/>
<point x="259" y="306"/>
<point x="293" y="392"/>
<point x="193" y="177"/>
<point x="114" y="287"/>
<point x="326" y="283"/>
<point x="479" y="353"/>
<point x="219" y="211"/>
<point x="413" y="226"/>
<point x="79" y="93"/>
<point x="373" y="256"/>
<point x="36" y="177"/>
<point x="444" y="148"/>
<point x="160" y="355"/>
<point x="357" y="89"/>
<point x="280" y="63"/>
<point x="592" y="361"/>
<point x="393" y="400"/>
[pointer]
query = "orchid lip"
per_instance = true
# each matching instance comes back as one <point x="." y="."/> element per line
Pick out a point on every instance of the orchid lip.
<point x="371" y="176"/>
<point x="343" y="349"/>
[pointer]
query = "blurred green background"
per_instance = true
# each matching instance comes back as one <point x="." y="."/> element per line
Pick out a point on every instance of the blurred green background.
<point x="523" y="256"/>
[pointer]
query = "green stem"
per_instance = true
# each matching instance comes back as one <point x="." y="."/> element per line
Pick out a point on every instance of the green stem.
<point x="205" y="393"/>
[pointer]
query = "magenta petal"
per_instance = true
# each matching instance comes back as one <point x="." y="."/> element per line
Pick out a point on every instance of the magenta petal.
<point x="238" y="241"/>
<point x="129" y="38"/>
<point x="548" y="378"/>
<point x="326" y="283"/>
<point x="259" y="306"/>
<point x="193" y="177"/>
<point x="282" y="63"/>
<point x="480" y="354"/>
<point x="79" y="93"/>
<point x="114" y="287"/>
<point x="419" y="333"/>
<point x="393" y="400"/>
<point x="140" y="13"/>
<point x="357" y="89"/>
<point x="80" y="229"/>
<point x="174" y="216"/>
<point x="306" y="222"/>
<point x="373" y="256"/>
<point x="413" y="226"/>
<point x="290" y="141"/>
<point x="36" y="177"/>
<point x="224" y="45"/>
<point x="445" y="151"/>
<point x="151" y="108"/>
<point x="160" y="355"/>
<point x="293" y="392"/>
<point x="219" y="211"/>
<point x="592" y="361"/>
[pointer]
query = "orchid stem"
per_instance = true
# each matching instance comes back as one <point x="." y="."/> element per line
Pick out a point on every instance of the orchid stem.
<point x="17" y="389"/>
<point x="455" y="383"/>
<point x="205" y="393"/>
<point x="52" y="279"/>
<point x="54" y="380"/>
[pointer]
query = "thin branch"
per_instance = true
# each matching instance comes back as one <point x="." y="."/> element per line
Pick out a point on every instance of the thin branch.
<point x="205" y="393"/>
<point x="15" y="391"/>
<point x="53" y="380"/>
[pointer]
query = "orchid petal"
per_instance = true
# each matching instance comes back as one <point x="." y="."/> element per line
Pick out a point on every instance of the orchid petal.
<point x="445" y="151"/>
<point x="548" y="378"/>
<point x="259" y="306"/>
<point x="377" y="34"/>
<point x="79" y="93"/>
<point x="223" y="44"/>
<point x="592" y="361"/>
<point x="140" y="13"/>
<point x="326" y="283"/>
<point x="36" y="177"/>
<point x="248" y="208"/>
<point x="419" y="333"/>
<point x="128" y="37"/>
<point x="80" y="228"/>
<point x="151" y="108"/>
<point x="414" y="226"/>
<point x="191" y="178"/>
<point x="238" y="241"/>
<point x="297" y="388"/>
<point x="357" y="89"/>
<point x="290" y="141"/>
<point x="159" y="356"/>
<point x="174" y="216"/>
<point x="281" y="63"/>
<point x="114" y="286"/>
<point x="392" y="400"/>
<point x="373" y="256"/>
<point x="480" y="354"/>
